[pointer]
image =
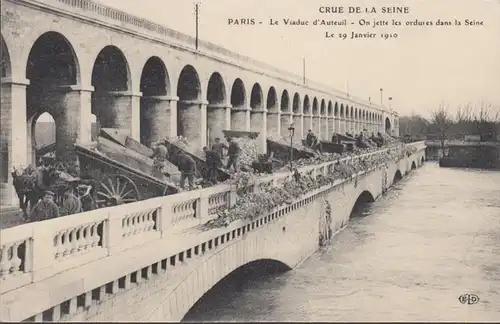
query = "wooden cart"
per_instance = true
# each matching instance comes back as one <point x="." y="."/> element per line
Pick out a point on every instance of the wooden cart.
<point x="120" y="174"/>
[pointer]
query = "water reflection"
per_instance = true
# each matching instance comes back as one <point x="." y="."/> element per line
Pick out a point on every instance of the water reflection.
<point x="406" y="257"/>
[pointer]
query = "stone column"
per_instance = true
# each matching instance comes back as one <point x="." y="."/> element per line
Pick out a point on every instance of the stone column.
<point x="308" y="123"/>
<point x="119" y="109"/>
<point x="259" y="124"/>
<point x="13" y="135"/>
<point x="322" y="127"/>
<point x="216" y="121"/>
<point x="286" y="121"/>
<point x="192" y="115"/>
<point x="73" y="120"/>
<point x="316" y="126"/>
<point x="158" y="114"/>
<point x="273" y="123"/>
<point x="240" y="118"/>
<point x="331" y="127"/>
<point x="298" y="121"/>
<point x="336" y="121"/>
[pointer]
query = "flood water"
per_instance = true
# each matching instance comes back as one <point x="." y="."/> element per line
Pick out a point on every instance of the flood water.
<point x="409" y="257"/>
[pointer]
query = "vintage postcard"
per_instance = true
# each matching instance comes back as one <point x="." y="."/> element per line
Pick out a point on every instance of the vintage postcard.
<point x="250" y="160"/>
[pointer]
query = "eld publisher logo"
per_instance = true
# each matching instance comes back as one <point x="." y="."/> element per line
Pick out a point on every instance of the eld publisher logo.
<point x="469" y="299"/>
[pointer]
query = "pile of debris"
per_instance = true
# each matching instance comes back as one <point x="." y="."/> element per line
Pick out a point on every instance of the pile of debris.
<point x="248" y="152"/>
<point x="255" y="204"/>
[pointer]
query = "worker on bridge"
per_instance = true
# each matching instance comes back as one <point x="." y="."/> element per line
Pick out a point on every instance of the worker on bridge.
<point x="45" y="208"/>
<point x="234" y="153"/>
<point x="88" y="202"/>
<point x="160" y="156"/>
<point x="219" y="147"/>
<point x="187" y="166"/>
<point x="213" y="163"/>
<point x="71" y="204"/>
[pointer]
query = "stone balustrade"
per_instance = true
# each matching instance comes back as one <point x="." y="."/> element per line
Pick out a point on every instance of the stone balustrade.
<point x="35" y="251"/>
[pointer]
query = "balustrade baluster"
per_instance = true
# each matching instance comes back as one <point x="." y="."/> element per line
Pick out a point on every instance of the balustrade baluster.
<point x="74" y="240"/>
<point x="81" y="238"/>
<point x="4" y="262"/>
<point x="150" y="222"/>
<point x="88" y="236"/>
<point x="95" y="235"/>
<point x="59" y="244"/>
<point x="66" y="243"/>
<point x="16" y="261"/>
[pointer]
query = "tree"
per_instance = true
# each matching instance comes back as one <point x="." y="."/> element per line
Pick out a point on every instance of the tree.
<point x="441" y="119"/>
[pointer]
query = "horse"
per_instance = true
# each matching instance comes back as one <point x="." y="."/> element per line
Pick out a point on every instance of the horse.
<point x="31" y="183"/>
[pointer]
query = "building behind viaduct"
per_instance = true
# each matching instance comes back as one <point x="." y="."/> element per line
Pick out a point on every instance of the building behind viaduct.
<point x="75" y="58"/>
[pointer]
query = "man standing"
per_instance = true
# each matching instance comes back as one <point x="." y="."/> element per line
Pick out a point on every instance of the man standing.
<point x="219" y="147"/>
<point x="187" y="166"/>
<point x="86" y="199"/>
<point x="233" y="152"/>
<point x="71" y="204"/>
<point x="310" y="138"/>
<point x="45" y="208"/>
<point x="159" y="157"/>
<point x="213" y="162"/>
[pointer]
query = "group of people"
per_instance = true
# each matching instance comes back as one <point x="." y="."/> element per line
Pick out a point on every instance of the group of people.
<point x="313" y="142"/>
<point x="214" y="157"/>
<point x="72" y="203"/>
<point x="187" y="165"/>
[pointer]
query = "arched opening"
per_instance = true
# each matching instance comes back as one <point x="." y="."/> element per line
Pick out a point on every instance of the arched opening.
<point x="348" y="120"/>
<point x="316" y="126"/>
<point x="256" y="116"/>
<point x="307" y="114"/>
<point x="216" y="110"/>
<point x="5" y="120"/>
<point x="238" y="104"/>
<point x="52" y="66"/>
<point x="336" y="111"/>
<point x="189" y="119"/>
<point x="397" y="177"/>
<point x="387" y="125"/>
<point x="423" y="160"/>
<point x="286" y="114"/>
<point x="44" y="136"/>
<point x="297" y="118"/>
<point x="323" y="122"/>
<point x="343" y="122"/>
<point x="272" y="100"/>
<point x="111" y="80"/>
<point x="330" y="121"/>
<point x="272" y="109"/>
<point x="94" y="127"/>
<point x="413" y="166"/>
<point x="362" y="204"/>
<point x="221" y="295"/>
<point x="155" y="108"/>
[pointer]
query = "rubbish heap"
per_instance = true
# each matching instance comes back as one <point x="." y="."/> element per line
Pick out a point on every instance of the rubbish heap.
<point x="248" y="152"/>
<point x="255" y="204"/>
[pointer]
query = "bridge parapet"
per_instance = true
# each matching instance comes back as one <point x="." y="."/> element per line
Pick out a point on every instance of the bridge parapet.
<point x="36" y="251"/>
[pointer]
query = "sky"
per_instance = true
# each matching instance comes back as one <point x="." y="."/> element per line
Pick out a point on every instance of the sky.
<point x="420" y="69"/>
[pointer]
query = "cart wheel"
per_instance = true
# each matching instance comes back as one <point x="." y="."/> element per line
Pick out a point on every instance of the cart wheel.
<point x="116" y="190"/>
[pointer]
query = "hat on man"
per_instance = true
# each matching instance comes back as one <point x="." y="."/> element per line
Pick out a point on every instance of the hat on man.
<point x="48" y="193"/>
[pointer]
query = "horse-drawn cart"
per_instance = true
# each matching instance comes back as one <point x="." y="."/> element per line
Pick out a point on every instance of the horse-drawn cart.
<point x="121" y="175"/>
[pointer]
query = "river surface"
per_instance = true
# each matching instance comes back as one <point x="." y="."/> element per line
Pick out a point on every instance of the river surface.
<point x="432" y="238"/>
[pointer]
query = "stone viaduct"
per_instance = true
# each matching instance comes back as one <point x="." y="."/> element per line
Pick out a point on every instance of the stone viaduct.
<point x="152" y="260"/>
<point x="74" y="58"/>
